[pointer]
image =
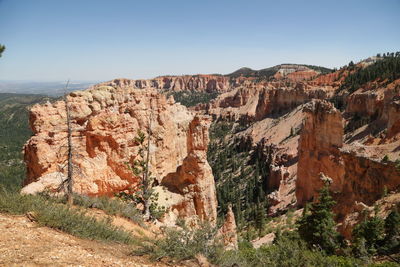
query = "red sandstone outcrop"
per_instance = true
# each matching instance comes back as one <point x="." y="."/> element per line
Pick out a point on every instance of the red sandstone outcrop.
<point x="228" y="231"/>
<point x="194" y="179"/>
<point x="302" y="75"/>
<point x="330" y="79"/>
<point x="105" y="121"/>
<point x="380" y="103"/>
<point x="320" y="140"/>
<point x="355" y="176"/>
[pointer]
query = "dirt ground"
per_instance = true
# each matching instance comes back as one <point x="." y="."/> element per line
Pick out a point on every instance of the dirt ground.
<point x="24" y="243"/>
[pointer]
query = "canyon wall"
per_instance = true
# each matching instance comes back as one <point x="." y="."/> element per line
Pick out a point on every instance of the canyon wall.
<point x="203" y="83"/>
<point x="355" y="176"/>
<point x="254" y="103"/>
<point x="105" y="122"/>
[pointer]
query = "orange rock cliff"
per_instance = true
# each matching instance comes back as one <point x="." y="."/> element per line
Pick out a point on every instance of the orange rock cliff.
<point x="105" y="121"/>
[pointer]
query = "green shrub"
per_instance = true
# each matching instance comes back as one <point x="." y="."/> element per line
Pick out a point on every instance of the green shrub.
<point x="182" y="244"/>
<point x="288" y="250"/>
<point x="385" y="159"/>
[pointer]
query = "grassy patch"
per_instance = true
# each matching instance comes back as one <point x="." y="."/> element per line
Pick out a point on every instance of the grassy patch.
<point x="113" y="207"/>
<point x="59" y="216"/>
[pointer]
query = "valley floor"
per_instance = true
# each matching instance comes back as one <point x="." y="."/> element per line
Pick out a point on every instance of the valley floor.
<point x="24" y="243"/>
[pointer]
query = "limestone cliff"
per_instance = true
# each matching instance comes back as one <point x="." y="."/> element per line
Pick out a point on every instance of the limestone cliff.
<point x="105" y="121"/>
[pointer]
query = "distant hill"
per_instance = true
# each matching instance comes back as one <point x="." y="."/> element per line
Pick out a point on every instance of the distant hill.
<point x="271" y="71"/>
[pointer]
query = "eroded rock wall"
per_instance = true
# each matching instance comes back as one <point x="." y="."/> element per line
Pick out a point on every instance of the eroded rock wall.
<point x="203" y="83"/>
<point x="354" y="175"/>
<point x="105" y="122"/>
<point x="254" y="103"/>
<point x="320" y="140"/>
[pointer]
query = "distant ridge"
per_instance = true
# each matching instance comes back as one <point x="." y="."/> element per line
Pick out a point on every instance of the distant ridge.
<point x="271" y="71"/>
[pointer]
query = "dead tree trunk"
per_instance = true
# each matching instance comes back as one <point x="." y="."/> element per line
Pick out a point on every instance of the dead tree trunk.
<point x="146" y="177"/>
<point x="70" y="181"/>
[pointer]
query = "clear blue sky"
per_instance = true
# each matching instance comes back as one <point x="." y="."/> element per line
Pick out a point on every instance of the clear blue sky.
<point x="101" y="40"/>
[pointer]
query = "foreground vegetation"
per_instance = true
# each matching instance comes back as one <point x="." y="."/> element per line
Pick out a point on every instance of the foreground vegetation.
<point x="58" y="216"/>
<point x="314" y="242"/>
<point x="287" y="250"/>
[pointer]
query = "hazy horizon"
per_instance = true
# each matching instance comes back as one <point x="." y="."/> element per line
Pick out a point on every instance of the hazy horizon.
<point x="102" y="40"/>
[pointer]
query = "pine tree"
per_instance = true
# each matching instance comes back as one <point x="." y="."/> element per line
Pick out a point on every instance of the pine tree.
<point x="392" y="232"/>
<point x="2" y="48"/>
<point x="259" y="217"/>
<point x="372" y="231"/>
<point x="317" y="227"/>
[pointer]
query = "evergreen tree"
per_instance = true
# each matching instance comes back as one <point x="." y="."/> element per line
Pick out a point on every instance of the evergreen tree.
<point x="2" y="48"/>
<point x="259" y="217"/>
<point x="317" y="227"/>
<point x="392" y="232"/>
<point x="372" y="231"/>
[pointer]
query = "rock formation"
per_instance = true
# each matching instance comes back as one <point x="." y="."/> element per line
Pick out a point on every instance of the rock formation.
<point x="194" y="179"/>
<point x="105" y="122"/>
<point x="228" y="231"/>
<point x="254" y="103"/>
<point x="319" y="143"/>
<point x="204" y="83"/>
<point x="355" y="175"/>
